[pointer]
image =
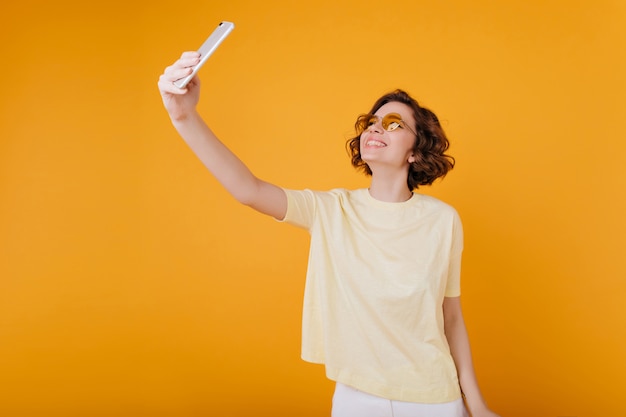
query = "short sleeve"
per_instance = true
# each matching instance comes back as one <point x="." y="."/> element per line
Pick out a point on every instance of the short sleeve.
<point x="301" y="207"/>
<point x="453" y="284"/>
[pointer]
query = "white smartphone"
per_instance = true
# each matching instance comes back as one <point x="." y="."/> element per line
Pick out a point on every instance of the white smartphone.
<point x="208" y="47"/>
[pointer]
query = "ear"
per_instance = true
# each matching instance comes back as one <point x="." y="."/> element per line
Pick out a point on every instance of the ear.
<point x="411" y="158"/>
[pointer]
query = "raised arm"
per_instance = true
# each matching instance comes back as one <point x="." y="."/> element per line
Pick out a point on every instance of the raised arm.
<point x="456" y="333"/>
<point x="227" y="168"/>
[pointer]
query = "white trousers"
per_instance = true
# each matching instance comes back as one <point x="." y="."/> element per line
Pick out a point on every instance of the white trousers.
<point x="350" y="402"/>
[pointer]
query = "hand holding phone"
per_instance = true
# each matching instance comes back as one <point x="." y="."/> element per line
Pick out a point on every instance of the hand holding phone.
<point x="207" y="48"/>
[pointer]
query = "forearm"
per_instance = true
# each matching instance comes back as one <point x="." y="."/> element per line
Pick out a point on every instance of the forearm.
<point x="458" y="340"/>
<point x="460" y="348"/>
<point x="225" y="166"/>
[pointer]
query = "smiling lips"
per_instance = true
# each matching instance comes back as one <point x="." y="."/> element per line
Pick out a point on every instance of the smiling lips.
<point x="375" y="143"/>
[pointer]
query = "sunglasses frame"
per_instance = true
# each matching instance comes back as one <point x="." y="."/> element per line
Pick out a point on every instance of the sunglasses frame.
<point x="365" y="121"/>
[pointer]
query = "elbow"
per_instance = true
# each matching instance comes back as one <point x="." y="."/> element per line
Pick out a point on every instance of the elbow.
<point x="244" y="198"/>
<point x="246" y="194"/>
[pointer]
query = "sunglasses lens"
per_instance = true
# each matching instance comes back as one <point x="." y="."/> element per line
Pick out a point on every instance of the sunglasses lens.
<point x="391" y="122"/>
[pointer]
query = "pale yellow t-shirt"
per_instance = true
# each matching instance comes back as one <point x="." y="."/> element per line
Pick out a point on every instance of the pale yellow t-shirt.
<point x="377" y="276"/>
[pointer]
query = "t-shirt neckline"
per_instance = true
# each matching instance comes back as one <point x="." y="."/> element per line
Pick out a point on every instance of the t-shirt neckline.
<point x="387" y="204"/>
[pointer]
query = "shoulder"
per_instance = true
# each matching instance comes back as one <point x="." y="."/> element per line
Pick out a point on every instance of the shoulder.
<point x="333" y="194"/>
<point x="436" y="206"/>
<point x="336" y="195"/>
<point x="435" y="203"/>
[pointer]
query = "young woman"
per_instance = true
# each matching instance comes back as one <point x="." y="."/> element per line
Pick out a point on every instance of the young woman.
<point x="382" y="309"/>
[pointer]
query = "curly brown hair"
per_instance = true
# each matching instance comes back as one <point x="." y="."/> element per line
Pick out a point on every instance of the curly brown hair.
<point x="431" y="143"/>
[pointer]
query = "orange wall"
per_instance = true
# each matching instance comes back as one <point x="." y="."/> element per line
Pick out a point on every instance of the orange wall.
<point x="132" y="285"/>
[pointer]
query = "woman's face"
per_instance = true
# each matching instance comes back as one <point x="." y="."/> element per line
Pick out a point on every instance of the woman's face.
<point x="380" y="145"/>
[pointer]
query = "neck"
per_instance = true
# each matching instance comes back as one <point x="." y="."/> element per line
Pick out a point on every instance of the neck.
<point x="391" y="190"/>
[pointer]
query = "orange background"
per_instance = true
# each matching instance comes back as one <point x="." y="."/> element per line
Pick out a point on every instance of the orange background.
<point x="133" y="285"/>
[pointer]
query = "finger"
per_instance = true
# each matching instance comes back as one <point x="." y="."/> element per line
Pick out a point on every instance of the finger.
<point x="188" y="59"/>
<point x="184" y="63"/>
<point x="166" y="85"/>
<point x="190" y="54"/>
<point x="174" y="73"/>
<point x="187" y="62"/>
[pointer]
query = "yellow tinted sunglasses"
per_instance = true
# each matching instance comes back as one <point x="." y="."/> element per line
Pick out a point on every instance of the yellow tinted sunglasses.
<point x="389" y="122"/>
